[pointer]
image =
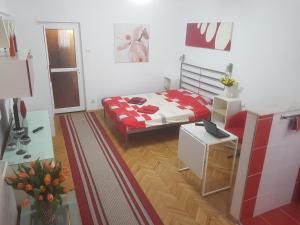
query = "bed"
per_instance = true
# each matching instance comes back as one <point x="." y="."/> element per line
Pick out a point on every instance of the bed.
<point x="190" y="103"/>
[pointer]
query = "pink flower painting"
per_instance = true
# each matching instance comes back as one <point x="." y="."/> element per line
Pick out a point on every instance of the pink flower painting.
<point x="131" y="43"/>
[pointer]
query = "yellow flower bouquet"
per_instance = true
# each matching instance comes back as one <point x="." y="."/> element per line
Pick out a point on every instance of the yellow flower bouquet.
<point x="228" y="81"/>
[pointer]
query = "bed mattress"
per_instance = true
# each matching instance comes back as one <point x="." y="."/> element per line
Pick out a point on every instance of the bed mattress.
<point x="175" y="106"/>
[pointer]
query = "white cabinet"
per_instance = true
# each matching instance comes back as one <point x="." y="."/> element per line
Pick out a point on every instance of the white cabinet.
<point x="16" y="77"/>
<point x="171" y="82"/>
<point x="16" y="72"/>
<point x="223" y="108"/>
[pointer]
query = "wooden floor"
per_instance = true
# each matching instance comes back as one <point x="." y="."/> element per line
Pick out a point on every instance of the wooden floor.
<point x="60" y="153"/>
<point x="152" y="158"/>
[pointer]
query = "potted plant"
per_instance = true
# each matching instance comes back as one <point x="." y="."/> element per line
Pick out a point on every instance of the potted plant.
<point x="43" y="182"/>
<point x="228" y="82"/>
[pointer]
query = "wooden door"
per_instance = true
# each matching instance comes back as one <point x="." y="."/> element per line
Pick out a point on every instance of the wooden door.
<point x="65" y="67"/>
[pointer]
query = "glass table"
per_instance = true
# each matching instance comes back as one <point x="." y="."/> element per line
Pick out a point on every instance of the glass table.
<point x="66" y="214"/>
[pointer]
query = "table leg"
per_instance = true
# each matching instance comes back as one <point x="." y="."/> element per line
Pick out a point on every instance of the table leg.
<point x="179" y="166"/>
<point x="205" y="172"/>
<point x="233" y="162"/>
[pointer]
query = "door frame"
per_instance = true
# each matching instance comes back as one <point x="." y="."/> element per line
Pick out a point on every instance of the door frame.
<point x="78" y="50"/>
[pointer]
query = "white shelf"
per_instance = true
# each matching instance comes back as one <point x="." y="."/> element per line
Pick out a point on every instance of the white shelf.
<point x="223" y="108"/>
<point x="16" y="77"/>
<point x="220" y="111"/>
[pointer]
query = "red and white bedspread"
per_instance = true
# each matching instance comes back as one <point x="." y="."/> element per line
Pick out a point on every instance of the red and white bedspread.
<point x="175" y="106"/>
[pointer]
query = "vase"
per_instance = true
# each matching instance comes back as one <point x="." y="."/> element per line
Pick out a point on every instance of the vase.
<point x="46" y="213"/>
<point x="228" y="92"/>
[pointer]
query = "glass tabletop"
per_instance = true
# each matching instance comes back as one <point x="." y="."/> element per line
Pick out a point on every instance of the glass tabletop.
<point x="66" y="214"/>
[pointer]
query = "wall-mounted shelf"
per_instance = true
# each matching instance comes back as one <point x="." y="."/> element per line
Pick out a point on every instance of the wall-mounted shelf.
<point x="16" y="77"/>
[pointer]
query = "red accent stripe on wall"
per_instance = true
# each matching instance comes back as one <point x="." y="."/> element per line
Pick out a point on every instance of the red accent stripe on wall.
<point x="28" y="75"/>
<point x="296" y="195"/>
<point x="257" y="158"/>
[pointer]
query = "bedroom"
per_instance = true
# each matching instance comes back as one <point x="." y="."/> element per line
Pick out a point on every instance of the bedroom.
<point x="264" y="54"/>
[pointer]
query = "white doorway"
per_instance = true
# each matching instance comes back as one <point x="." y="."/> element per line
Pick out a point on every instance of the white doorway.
<point x="63" y="47"/>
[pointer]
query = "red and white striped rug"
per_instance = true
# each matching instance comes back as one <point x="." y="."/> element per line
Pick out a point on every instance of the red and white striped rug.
<point x="106" y="190"/>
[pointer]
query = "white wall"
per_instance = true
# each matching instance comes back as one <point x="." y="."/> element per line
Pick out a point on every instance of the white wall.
<point x="265" y="47"/>
<point x="102" y="76"/>
<point x="3" y="7"/>
<point x="96" y="17"/>
<point x="280" y="169"/>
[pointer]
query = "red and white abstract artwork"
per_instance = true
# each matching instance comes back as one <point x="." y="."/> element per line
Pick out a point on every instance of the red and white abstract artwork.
<point x="209" y="35"/>
<point x="131" y="43"/>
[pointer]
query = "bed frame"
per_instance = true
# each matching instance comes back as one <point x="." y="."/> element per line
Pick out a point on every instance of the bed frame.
<point x="200" y="80"/>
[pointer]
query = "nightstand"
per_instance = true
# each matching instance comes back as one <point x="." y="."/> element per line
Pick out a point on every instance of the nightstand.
<point x="223" y="108"/>
<point x="171" y="82"/>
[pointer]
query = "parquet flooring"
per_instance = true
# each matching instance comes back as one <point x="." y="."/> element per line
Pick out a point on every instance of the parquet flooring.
<point x="152" y="158"/>
<point x="60" y="153"/>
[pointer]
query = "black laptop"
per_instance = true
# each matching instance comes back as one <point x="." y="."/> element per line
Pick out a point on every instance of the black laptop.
<point x="211" y="128"/>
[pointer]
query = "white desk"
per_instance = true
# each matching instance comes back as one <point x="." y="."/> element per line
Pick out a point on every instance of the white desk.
<point x="41" y="143"/>
<point x="193" y="150"/>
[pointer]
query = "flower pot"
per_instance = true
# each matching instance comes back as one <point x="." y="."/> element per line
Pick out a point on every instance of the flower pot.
<point x="228" y="92"/>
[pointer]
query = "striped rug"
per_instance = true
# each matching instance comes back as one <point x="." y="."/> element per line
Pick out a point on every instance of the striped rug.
<point x="106" y="190"/>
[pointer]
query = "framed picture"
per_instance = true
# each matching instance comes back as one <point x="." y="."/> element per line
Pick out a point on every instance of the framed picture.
<point x="131" y="43"/>
<point x="209" y="35"/>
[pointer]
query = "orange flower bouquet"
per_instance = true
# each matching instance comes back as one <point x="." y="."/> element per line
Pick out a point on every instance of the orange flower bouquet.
<point x="42" y="181"/>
